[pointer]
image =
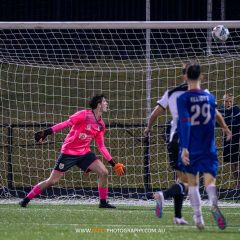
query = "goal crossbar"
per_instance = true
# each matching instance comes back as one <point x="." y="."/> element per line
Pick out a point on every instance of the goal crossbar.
<point x="119" y="25"/>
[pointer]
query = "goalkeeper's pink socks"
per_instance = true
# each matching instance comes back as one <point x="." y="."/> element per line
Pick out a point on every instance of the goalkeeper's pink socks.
<point x="34" y="192"/>
<point x="103" y="192"/>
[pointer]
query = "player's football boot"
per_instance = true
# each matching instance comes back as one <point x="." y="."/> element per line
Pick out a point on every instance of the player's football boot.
<point x="199" y="222"/>
<point x="158" y="196"/>
<point x="24" y="202"/>
<point x="179" y="221"/>
<point x="105" y="205"/>
<point x="218" y="217"/>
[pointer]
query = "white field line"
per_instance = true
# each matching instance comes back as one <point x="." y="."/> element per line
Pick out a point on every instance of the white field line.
<point x="116" y="211"/>
<point x="140" y="203"/>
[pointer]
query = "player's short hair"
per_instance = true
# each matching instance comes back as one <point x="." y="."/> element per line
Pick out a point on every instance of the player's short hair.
<point x="193" y="71"/>
<point x="95" y="100"/>
<point x="228" y="95"/>
<point x="185" y="66"/>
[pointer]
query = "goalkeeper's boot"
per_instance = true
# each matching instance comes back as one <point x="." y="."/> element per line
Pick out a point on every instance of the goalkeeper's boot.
<point x="24" y="202"/>
<point x="105" y="204"/>
<point x="199" y="222"/>
<point x="218" y="217"/>
<point x="158" y="196"/>
<point x="180" y="221"/>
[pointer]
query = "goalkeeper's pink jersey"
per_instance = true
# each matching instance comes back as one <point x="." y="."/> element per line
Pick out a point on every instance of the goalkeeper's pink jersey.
<point x="84" y="128"/>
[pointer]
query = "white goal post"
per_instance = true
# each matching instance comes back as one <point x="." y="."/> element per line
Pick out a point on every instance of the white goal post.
<point x="48" y="70"/>
<point x="120" y="25"/>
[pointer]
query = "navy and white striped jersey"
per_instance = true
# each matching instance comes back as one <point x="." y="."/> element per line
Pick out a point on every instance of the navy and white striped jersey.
<point x="169" y="99"/>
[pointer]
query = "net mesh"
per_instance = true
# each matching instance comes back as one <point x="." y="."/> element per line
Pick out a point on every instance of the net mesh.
<point x="47" y="75"/>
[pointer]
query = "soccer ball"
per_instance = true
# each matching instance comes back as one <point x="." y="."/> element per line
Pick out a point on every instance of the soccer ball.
<point x="220" y="33"/>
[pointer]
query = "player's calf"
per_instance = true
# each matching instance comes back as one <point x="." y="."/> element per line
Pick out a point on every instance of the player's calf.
<point x="158" y="196"/>
<point x="218" y="217"/>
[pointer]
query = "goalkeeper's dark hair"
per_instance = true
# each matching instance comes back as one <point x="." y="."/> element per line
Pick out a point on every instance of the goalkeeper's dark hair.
<point x="95" y="100"/>
<point x="193" y="71"/>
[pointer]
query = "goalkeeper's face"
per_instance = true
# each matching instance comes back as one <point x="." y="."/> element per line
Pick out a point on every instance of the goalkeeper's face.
<point x="104" y="105"/>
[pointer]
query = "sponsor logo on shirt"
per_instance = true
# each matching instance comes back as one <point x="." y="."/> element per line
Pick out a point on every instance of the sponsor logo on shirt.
<point x="82" y="136"/>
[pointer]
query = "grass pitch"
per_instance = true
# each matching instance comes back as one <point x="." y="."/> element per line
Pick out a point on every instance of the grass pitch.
<point x="126" y="222"/>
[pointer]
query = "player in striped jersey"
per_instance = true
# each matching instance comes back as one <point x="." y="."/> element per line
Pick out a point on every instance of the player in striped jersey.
<point x="198" y="154"/>
<point x="85" y="125"/>
<point x="177" y="190"/>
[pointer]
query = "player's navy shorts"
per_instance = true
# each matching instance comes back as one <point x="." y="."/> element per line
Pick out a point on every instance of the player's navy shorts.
<point x="173" y="152"/>
<point x="65" y="162"/>
<point x="207" y="163"/>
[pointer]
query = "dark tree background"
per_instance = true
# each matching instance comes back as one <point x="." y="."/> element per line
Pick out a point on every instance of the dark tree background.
<point x="113" y="10"/>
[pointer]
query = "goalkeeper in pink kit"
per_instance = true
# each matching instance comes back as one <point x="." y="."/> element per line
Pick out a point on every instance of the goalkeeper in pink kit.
<point x="85" y="125"/>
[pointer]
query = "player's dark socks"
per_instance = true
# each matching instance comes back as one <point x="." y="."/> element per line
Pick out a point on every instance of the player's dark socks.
<point x="178" y="203"/>
<point x="105" y="204"/>
<point x="24" y="202"/>
<point x="175" y="189"/>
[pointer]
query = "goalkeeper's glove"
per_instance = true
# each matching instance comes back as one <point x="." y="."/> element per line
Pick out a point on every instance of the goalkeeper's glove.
<point x="117" y="167"/>
<point x="40" y="136"/>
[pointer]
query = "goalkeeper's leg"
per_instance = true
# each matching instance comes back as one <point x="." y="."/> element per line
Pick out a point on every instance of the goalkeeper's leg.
<point x="99" y="168"/>
<point x="40" y="187"/>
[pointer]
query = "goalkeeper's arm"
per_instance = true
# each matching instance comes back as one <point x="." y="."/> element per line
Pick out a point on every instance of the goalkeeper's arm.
<point x="117" y="167"/>
<point x="41" y="135"/>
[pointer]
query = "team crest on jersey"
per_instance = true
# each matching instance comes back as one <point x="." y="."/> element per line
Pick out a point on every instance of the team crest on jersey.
<point x="82" y="136"/>
<point x="88" y="127"/>
<point x="61" y="165"/>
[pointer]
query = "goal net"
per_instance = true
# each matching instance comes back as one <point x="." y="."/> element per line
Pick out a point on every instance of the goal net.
<point x="48" y="71"/>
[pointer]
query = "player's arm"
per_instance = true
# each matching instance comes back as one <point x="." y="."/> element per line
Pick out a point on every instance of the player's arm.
<point x="184" y="126"/>
<point x="117" y="167"/>
<point x="76" y="118"/>
<point x="221" y="122"/>
<point x="41" y="135"/>
<point x="158" y="110"/>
